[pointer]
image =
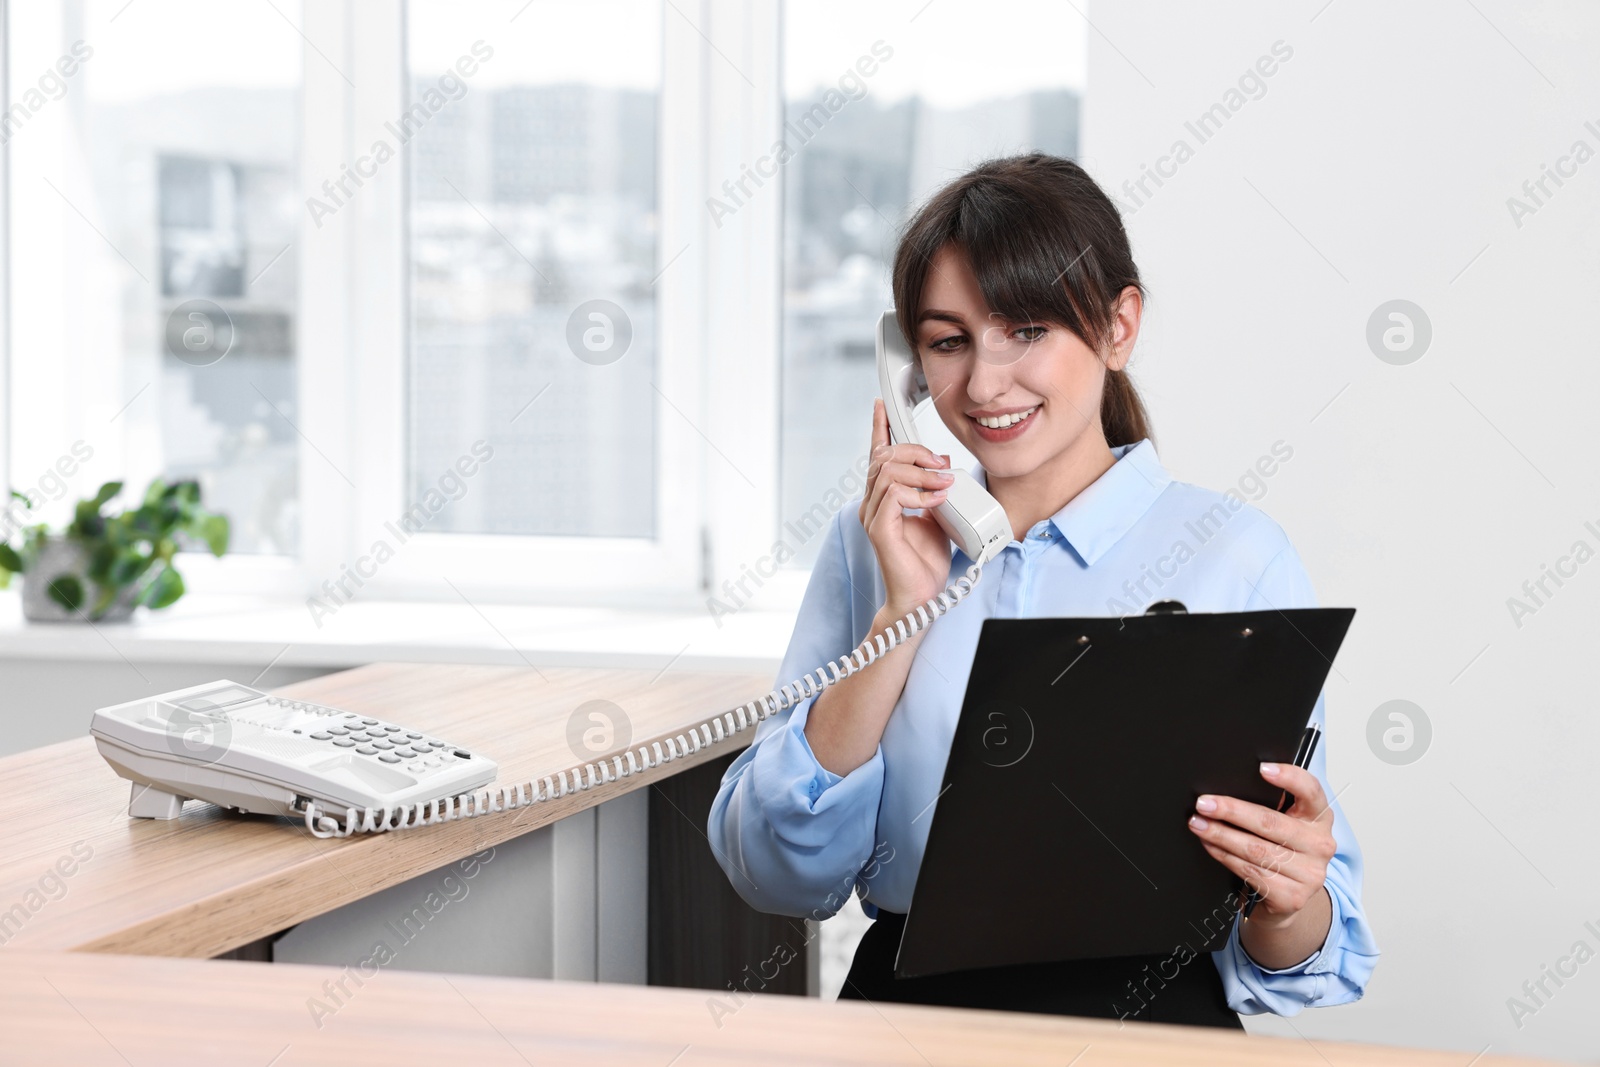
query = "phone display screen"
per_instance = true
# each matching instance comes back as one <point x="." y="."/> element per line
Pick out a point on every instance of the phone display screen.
<point x="216" y="699"/>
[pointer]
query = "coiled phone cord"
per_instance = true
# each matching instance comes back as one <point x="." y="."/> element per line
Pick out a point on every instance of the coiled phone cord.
<point x="651" y="754"/>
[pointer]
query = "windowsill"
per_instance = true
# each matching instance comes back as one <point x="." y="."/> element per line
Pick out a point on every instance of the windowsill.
<point x="212" y="628"/>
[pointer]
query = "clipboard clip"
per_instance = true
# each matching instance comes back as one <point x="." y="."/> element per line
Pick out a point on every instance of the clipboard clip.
<point x="1167" y="607"/>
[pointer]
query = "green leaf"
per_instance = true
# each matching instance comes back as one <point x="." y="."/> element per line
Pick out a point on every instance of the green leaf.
<point x="86" y="520"/>
<point x="128" y="567"/>
<point x="66" y="590"/>
<point x="102" y="555"/>
<point x="215" y="530"/>
<point x="157" y="490"/>
<point x="9" y="560"/>
<point x="146" y="521"/>
<point x="164" y="590"/>
<point x="24" y="498"/>
<point x="107" y="491"/>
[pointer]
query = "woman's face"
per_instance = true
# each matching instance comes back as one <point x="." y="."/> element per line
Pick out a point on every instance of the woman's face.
<point x="982" y="369"/>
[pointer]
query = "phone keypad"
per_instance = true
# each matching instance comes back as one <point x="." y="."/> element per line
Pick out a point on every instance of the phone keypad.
<point x="373" y="738"/>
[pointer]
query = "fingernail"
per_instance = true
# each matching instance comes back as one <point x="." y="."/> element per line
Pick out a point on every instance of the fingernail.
<point x="1197" y="822"/>
<point x="945" y="458"/>
<point x="946" y="474"/>
<point x="1269" y="769"/>
<point x="1206" y="804"/>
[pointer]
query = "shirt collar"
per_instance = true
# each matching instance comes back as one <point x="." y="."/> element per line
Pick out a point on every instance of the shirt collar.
<point x="1107" y="508"/>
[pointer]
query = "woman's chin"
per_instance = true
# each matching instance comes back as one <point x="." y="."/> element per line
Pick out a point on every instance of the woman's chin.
<point x="1002" y="462"/>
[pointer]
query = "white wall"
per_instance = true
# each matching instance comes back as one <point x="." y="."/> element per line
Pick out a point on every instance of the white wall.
<point x="1376" y="166"/>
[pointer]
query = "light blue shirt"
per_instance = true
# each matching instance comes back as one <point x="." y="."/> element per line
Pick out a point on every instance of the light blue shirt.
<point x="796" y="839"/>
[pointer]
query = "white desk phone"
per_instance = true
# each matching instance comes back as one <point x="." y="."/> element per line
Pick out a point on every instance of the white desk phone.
<point x="347" y="773"/>
<point x="243" y="749"/>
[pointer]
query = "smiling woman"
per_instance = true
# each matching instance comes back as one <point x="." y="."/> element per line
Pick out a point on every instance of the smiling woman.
<point x="1017" y="292"/>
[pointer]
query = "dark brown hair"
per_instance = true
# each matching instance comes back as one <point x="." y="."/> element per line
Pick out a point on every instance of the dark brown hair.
<point x="1047" y="245"/>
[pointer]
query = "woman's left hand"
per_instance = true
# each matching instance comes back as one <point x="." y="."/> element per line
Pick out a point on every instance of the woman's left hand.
<point x="1282" y="855"/>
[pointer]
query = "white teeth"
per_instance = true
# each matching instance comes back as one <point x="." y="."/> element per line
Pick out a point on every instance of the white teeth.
<point x="1003" y="421"/>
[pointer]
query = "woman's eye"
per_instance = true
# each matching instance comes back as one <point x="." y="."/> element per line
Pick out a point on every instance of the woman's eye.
<point x="946" y="344"/>
<point x="1031" y="333"/>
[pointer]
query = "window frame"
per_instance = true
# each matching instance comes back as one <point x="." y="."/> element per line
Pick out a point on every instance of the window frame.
<point x="709" y="300"/>
<point x="718" y="357"/>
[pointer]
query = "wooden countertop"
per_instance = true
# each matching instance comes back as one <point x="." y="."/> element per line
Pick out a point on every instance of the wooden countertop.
<point x="116" y="1010"/>
<point x="208" y="882"/>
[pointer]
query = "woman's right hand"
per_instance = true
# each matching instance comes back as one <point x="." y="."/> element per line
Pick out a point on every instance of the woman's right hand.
<point x="913" y="550"/>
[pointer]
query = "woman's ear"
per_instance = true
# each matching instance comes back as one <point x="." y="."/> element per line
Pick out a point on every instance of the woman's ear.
<point x="1125" y="326"/>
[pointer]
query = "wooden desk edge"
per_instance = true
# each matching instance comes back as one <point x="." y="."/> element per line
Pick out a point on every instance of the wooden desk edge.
<point x="637" y="1013"/>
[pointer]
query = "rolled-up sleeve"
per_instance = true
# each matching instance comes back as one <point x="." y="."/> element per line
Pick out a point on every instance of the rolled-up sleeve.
<point x="1337" y="972"/>
<point x="790" y="834"/>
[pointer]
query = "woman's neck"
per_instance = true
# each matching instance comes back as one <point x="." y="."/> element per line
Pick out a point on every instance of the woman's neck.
<point x="1029" y="498"/>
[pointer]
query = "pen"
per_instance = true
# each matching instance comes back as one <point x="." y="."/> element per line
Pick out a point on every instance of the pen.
<point x="1302" y="759"/>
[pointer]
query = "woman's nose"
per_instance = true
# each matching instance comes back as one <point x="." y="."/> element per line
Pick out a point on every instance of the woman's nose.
<point x="989" y="375"/>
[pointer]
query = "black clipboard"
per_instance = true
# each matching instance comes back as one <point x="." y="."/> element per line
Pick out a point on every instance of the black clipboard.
<point x="1045" y="844"/>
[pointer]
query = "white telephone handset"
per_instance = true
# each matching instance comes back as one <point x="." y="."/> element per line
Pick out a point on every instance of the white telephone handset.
<point x="971" y="518"/>
<point x="271" y="754"/>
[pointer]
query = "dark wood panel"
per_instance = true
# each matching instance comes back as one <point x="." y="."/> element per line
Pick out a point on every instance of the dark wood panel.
<point x="259" y="951"/>
<point x="702" y="933"/>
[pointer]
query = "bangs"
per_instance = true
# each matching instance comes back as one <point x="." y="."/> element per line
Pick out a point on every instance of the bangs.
<point x="1028" y="276"/>
<point x="1033" y="262"/>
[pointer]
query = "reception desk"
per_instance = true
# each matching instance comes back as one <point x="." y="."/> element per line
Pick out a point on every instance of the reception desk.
<point x="92" y="900"/>
<point x="79" y="875"/>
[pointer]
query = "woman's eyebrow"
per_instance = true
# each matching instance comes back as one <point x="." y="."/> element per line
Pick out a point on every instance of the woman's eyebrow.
<point x="942" y="316"/>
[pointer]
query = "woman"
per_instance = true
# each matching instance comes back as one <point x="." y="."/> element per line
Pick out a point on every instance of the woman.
<point x="1016" y="290"/>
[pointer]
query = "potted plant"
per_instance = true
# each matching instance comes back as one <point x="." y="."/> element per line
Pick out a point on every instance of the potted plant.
<point x="101" y="567"/>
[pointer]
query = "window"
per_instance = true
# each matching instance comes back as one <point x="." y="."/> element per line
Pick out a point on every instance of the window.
<point x="532" y="248"/>
<point x="935" y="103"/>
<point x="153" y="154"/>
<point x="572" y="250"/>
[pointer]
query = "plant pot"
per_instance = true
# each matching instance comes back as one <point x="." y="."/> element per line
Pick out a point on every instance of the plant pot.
<point x="57" y="558"/>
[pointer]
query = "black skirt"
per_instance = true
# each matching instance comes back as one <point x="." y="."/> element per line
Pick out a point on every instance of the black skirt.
<point x="1135" y="988"/>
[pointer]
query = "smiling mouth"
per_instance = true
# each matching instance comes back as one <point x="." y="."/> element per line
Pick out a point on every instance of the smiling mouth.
<point x="1003" y="422"/>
